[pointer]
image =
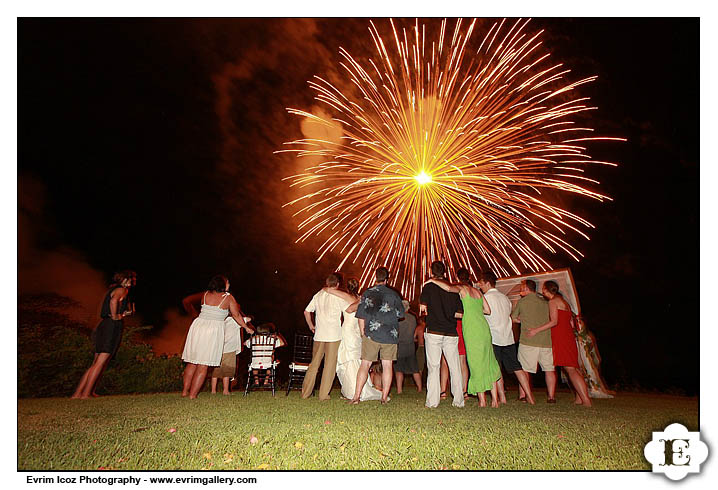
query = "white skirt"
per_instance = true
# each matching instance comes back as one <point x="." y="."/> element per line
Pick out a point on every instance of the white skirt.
<point x="347" y="373"/>
<point x="349" y="360"/>
<point x="205" y="342"/>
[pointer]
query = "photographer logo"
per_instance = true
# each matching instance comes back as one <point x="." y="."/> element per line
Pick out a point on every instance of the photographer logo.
<point x="676" y="452"/>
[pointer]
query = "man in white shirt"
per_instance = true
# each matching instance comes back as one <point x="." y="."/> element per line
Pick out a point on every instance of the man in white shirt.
<point x="502" y="334"/>
<point x="327" y="310"/>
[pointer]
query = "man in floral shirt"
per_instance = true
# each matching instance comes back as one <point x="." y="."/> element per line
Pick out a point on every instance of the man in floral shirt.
<point x="379" y="311"/>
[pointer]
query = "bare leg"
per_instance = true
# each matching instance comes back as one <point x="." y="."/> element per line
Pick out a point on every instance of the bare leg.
<point x="494" y="401"/>
<point x="523" y="378"/>
<point x="580" y="384"/>
<point x="577" y="398"/>
<point x="444" y="376"/>
<point x="198" y="380"/>
<point x="104" y="366"/>
<point x="417" y="381"/>
<point x="500" y="389"/>
<point x="551" y="384"/>
<point x="464" y="371"/>
<point x="225" y="385"/>
<point x="386" y="372"/>
<point x="93" y="374"/>
<point x="522" y="392"/>
<point x="189" y="371"/>
<point x="83" y="380"/>
<point x="482" y="399"/>
<point x="213" y="382"/>
<point x="362" y="375"/>
<point x="376" y="378"/>
<point x="399" y="382"/>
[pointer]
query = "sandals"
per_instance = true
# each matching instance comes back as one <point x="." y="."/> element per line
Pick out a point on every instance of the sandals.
<point x="551" y="400"/>
<point x="466" y="395"/>
<point x="522" y="399"/>
<point x="442" y="395"/>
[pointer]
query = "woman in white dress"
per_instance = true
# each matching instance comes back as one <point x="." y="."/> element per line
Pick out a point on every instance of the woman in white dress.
<point x="349" y="355"/>
<point x="205" y="339"/>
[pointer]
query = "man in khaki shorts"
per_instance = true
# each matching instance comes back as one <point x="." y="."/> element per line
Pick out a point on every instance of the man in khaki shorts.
<point x="379" y="311"/>
<point x="532" y="311"/>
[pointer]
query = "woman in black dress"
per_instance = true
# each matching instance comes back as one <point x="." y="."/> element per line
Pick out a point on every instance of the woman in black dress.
<point x="108" y="333"/>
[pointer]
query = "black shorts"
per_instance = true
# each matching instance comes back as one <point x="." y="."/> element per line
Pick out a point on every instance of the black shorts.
<point x="508" y="356"/>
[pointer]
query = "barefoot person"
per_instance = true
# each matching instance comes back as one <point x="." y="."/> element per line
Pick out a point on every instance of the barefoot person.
<point x="205" y="339"/>
<point x="232" y="344"/>
<point x="379" y="312"/>
<point x="532" y="311"/>
<point x="349" y="355"/>
<point x="502" y="335"/>
<point x="563" y="340"/>
<point x="228" y="365"/>
<point x="406" y="352"/>
<point x="484" y="369"/>
<point x="108" y="333"/>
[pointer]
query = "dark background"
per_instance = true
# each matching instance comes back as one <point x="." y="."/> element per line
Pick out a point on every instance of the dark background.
<point x="148" y="144"/>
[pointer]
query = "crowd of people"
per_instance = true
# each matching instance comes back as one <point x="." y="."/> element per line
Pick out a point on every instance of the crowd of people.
<point x="467" y="326"/>
<point x="463" y="334"/>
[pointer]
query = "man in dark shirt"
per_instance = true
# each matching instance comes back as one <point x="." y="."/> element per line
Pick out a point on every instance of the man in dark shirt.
<point x="441" y="336"/>
<point x="379" y="311"/>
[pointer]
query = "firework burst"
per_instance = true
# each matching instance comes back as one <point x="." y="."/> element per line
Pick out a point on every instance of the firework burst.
<point x="446" y="153"/>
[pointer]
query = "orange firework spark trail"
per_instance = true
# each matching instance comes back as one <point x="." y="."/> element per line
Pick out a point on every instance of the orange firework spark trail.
<point x="446" y="154"/>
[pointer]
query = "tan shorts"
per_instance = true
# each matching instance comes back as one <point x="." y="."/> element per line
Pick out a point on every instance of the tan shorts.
<point x="371" y="351"/>
<point x="529" y="356"/>
<point x="227" y="367"/>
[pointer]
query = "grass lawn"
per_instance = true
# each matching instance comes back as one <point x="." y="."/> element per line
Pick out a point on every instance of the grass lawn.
<point x="214" y="431"/>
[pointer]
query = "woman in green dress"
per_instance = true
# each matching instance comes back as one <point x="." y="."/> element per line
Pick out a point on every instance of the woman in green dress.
<point x="484" y="370"/>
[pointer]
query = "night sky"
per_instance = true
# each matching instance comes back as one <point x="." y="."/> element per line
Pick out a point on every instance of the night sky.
<point x="148" y="144"/>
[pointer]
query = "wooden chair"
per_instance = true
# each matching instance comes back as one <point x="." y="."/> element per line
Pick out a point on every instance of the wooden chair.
<point x="302" y="358"/>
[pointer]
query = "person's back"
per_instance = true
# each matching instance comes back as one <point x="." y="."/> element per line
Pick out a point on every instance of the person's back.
<point x="381" y="307"/>
<point x="441" y="337"/>
<point x="532" y="309"/>
<point x="407" y="326"/>
<point x="327" y="329"/>
<point x="500" y="318"/>
<point x="502" y="335"/>
<point x="442" y="307"/>
<point x="473" y="310"/>
<point x="328" y="313"/>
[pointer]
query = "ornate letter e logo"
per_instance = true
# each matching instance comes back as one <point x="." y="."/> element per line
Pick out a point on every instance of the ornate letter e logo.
<point x="676" y="452"/>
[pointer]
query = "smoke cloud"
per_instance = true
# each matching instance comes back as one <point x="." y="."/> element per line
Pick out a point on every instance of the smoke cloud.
<point x="171" y="339"/>
<point x="60" y="270"/>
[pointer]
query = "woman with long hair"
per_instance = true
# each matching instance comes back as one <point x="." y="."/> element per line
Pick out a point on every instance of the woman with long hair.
<point x="205" y="339"/>
<point x="563" y="340"/>
<point x="108" y="334"/>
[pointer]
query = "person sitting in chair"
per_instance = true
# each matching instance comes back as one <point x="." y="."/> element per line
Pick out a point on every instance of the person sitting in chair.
<point x="261" y="342"/>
